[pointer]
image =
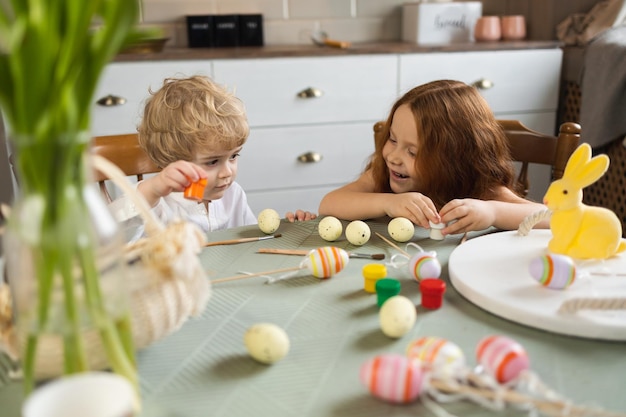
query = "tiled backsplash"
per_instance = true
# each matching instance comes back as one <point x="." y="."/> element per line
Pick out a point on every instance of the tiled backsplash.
<point x="293" y="21"/>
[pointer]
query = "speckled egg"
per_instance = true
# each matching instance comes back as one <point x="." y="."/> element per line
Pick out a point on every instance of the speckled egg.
<point x="358" y="233"/>
<point x="392" y="377"/>
<point x="553" y="271"/>
<point x="424" y="265"/>
<point x="326" y="261"/>
<point x="266" y="342"/>
<point x="401" y="229"/>
<point x="437" y="354"/>
<point x="397" y="316"/>
<point x="269" y="221"/>
<point x="330" y="228"/>
<point x="502" y="357"/>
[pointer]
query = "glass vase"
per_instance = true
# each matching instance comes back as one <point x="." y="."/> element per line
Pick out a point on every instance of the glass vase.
<point x="65" y="266"/>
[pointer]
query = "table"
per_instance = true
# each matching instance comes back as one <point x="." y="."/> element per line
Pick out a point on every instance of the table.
<point x="204" y="369"/>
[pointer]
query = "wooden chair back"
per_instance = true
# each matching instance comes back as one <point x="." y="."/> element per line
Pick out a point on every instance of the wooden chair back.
<point x="531" y="147"/>
<point x="125" y="152"/>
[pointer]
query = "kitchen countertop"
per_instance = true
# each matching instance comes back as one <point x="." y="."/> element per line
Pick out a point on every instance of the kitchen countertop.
<point x="277" y="51"/>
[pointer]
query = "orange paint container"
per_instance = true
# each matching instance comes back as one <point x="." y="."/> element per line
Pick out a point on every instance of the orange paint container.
<point x="195" y="191"/>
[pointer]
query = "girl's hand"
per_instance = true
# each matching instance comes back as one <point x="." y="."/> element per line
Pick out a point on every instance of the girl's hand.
<point x="414" y="206"/>
<point x="470" y="214"/>
<point x="174" y="177"/>
<point x="300" y="216"/>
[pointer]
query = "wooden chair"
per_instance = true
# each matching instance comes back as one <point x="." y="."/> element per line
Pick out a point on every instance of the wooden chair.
<point x="531" y="147"/>
<point x="123" y="151"/>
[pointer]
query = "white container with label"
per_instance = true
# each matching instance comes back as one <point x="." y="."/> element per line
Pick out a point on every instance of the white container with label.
<point x="440" y="23"/>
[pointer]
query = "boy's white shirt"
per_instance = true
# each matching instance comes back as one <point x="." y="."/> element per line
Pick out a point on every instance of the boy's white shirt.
<point x="231" y="210"/>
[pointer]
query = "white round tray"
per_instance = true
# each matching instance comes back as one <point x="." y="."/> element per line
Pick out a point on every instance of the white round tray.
<point x="491" y="271"/>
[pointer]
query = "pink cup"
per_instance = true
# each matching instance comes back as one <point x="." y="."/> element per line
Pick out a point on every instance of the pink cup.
<point x="487" y="29"/>
<point x="513" y="27"/>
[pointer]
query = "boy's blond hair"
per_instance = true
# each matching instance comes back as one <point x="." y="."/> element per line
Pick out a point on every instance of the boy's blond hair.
<point x="187" y="114"/>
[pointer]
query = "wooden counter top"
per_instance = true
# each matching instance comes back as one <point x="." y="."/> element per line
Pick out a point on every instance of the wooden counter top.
<point x="277" y="51"/>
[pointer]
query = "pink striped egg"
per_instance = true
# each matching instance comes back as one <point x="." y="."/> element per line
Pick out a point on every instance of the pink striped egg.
<point x="392" y="377"/>
<point x="553" y="271"/>
<point x="326" y="261"/>
<point x="502" y="357"/>
<point x="424" y="265"/>
<point x="436" y="354"/>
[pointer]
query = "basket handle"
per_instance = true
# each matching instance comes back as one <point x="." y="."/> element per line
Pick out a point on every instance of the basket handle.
<point x="118" y="177"/>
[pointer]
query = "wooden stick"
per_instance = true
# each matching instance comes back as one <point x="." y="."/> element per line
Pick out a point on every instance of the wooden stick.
<point x="242" y="240"/>
<point x="552" y="408"/>
<point x="243" y="276"/>
<point x="393" y="245"/>
<point x="303" y="252"/>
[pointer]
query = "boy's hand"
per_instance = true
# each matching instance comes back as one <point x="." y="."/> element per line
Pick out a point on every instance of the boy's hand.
<point x="174" y="177"/>
<point x="300" y="215"/>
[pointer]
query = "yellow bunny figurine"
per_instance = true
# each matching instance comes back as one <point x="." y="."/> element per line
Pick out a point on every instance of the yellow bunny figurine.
<point x="578" y="230"/>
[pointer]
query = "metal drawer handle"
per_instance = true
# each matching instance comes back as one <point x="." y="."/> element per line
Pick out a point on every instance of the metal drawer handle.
<point x="483" y="84"/>
<point x="310" y="157"/>
<point x="111" y="100"/>
<point x="310" y="92"/>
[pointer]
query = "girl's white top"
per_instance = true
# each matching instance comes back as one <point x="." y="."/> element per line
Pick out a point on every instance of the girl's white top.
<point x="232" y="210"/>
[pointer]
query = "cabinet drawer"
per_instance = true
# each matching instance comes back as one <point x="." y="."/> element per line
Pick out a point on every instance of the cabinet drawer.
<point x="354" y="88"/>
<point x="526" y="80"/>
<point x="270" y="158"/>
<point x="132" y="81"/>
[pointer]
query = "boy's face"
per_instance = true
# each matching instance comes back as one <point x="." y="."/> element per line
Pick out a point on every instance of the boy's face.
<point x="221" y="169"/>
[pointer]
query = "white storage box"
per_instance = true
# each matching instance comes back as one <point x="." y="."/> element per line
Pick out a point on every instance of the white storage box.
<point x="440" y="23"/>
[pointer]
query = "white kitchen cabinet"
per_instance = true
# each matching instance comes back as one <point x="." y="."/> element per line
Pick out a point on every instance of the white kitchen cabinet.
<point x="125" y="87"/>
<point x="279" y="167"/>
<point x="520" y="85"/>
<point x="311" y="117"/>
<point x="311" y="90"/>
<point x="303" y="145"/>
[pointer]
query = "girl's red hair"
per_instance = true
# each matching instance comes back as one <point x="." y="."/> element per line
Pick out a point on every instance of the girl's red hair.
<point x="463" y="152"/>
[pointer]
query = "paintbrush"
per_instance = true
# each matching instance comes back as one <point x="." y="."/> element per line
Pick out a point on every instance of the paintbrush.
<point x="242" y="240"/>
<point x="302" y="252"/>
<point x="393" y="245"/>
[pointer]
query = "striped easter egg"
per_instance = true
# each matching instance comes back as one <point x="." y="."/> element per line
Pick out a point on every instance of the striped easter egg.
<point x="326" y="261"/>
<point x="553" y="271"/>
<point x="392" y="377"/>
<point x="424" y="265"/>
<point x="502" y="357"/>
<point x="436" y="354"/>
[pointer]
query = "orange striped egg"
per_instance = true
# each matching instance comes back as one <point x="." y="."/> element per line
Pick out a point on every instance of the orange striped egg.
<point x="436" y="354"/>
<point x="326" y="261"/>
<point x="502" y="358"/>
<point x="392" y="377"/>
<point x="424" y="265"/>
<point x="553" y="271"/>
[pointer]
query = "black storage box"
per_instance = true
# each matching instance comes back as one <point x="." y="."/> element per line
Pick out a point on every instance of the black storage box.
<point x="250" y="30"/>
<point x="226" y="30"/>
<point x="200" y="31"/>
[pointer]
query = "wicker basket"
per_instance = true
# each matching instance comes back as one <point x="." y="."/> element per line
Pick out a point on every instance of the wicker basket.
<point x="168" y="285"/>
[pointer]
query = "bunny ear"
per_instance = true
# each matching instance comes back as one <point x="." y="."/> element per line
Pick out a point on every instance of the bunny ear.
<point x="583" y="170"/>
<point x="577" y="161"/>
<point x="592" y="171"/>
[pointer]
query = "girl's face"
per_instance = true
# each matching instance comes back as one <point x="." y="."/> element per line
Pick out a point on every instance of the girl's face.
<point x="399" y="152"/>
<point x="221" y="169"/>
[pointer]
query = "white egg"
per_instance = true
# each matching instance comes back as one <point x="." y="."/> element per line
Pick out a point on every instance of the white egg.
<point x="330" y="228"/>
<point x="269" y="221"/>
<point x="358" y="232"/>
<point x="266" y="342"/>
<point x="401" y="229"/>
<point x="397" y="316"/>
